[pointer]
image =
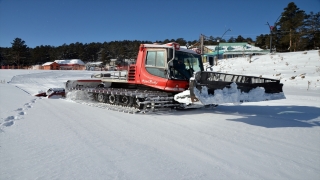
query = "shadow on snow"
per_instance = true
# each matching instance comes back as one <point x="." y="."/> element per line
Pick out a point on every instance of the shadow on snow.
<point x="267" y="116"/>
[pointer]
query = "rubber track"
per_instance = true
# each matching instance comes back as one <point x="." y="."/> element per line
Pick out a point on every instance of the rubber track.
<point x="151" y="101"/>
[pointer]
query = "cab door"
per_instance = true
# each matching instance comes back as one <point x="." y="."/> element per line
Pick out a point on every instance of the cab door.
<point x="153" y="71"/>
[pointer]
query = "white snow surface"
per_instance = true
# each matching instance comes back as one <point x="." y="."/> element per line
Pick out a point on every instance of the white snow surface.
<point x="44" y="138"/>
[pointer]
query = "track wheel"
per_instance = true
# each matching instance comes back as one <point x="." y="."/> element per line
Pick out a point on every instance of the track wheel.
<point x="140" y="106"/>
<point x="93" y="96"/>
<point x="113" y="99"/>
<point x="101" y="97"/>
<point x="126" y="100"/>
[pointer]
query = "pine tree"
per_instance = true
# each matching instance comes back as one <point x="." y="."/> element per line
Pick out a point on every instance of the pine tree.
<point x="42" y="54"/>
<point x="240" y="39"/>
<point x="4" y="56"/>
<point x="19" y="52"/>
<point x="292" y="19"/>
<point x="261" y="41"/>
<point x="312" y="26"/>
<point x="231" y="40"/>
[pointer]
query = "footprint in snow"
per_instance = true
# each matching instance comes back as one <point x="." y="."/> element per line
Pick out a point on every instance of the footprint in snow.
<point x="22" y="113"/>
<point x="8" y="123"/>
<point x="28" y="105"/>
<point x="10" y="118"/>
<point x="20" y="109"/>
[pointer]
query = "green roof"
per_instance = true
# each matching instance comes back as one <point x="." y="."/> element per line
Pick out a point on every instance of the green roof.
<point x="247" y="52"/>
<point x="214" y="53"/>
<point x="233" y="44"/>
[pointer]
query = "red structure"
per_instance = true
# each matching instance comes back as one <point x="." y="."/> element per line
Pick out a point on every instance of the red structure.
<point x="51" y="66"/>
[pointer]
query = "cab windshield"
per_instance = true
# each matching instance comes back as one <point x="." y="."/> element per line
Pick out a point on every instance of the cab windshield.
<point x="184" y="65"/>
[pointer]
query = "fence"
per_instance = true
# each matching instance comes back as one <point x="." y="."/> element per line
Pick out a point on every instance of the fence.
<point x="40" y="67"/>
<point x="15" y="67"/>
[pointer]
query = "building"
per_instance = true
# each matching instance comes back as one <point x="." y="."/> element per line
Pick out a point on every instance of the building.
<point x="226" y="50"/>
<point x="73" y="64"/>
<point x="95" y="66"/>
<point x="230" y="50"/>
<point x="50" y="66"/>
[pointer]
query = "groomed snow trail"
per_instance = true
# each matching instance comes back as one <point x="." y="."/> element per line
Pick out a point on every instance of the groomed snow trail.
<point x="44" y="138"/>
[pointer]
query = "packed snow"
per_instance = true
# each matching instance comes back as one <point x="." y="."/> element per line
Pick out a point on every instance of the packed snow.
<point x="43" y="138"/>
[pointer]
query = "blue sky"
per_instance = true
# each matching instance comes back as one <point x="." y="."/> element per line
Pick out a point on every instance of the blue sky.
<point x="55" y="22"/>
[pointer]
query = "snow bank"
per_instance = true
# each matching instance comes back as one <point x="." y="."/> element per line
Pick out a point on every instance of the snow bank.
<point x="78" y="95"/>
<point x="227" y="95"/>
<point x="234" y="95"/>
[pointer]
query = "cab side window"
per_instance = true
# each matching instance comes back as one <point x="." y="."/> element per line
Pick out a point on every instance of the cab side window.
<point x="155" y="58"/>
<point x="151" y="58"/>
<point x="160" y="59"/>
<point x="155" y="63"/>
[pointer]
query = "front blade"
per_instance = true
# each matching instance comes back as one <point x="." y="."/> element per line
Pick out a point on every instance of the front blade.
<point x="219" y="88"/>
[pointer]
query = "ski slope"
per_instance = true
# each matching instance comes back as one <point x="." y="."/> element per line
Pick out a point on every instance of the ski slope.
<point x="44" y="138"/>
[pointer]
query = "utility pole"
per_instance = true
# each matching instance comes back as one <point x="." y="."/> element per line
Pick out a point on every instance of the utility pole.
<point x="271" y="30"/>
<point x="201" y="43"/>
<point x="221" y="38"/>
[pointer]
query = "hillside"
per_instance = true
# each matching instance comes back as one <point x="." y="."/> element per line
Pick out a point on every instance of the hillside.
<point x="296" y="69"/>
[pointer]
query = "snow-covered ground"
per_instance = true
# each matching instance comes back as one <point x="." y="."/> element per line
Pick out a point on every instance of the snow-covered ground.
<point x="44" y="138"/>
